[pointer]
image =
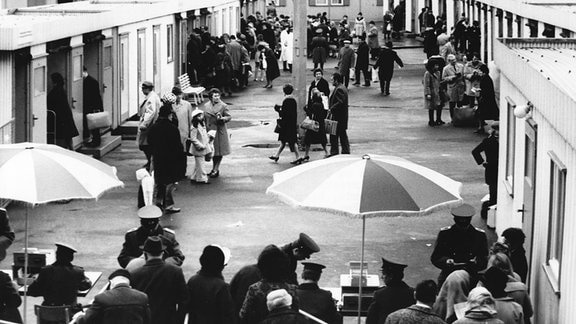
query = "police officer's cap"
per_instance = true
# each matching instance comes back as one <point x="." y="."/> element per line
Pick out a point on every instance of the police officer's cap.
<point x="304" y="241"/>
<point x="63" y="247"/>
<point x="313" y="267"/>
<point x="464" y="210"/>
<point x="388" y="266"/>
<point x="151" y="211"/>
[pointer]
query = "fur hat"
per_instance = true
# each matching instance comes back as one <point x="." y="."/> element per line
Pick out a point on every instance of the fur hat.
<point x="277" y="299"/>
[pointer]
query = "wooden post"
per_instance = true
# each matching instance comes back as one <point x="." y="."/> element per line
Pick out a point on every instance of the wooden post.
<point x="300" y="56"/>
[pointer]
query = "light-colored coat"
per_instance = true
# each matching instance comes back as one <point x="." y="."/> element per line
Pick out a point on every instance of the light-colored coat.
<point x="454" y="82"/>
<point x="221" y="140"/>
<point x="148" y="112"/>
<point x="183" y="111"/>
<point x="471" y="80"/>
<point x="200" y="141"/>
<point x="432" y="87"/>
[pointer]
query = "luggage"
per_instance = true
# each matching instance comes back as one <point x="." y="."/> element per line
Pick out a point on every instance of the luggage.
<point x="98" y="120"/>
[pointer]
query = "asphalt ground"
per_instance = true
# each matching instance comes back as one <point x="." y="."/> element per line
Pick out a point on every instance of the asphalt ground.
<point x="234" y="210"/>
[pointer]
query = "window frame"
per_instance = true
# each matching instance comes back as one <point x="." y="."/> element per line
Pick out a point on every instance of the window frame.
<point x="170" y="43"/>
<point x="322" y="2"/>
<point x="510" y="167"/>
<point x="337" y="2"/>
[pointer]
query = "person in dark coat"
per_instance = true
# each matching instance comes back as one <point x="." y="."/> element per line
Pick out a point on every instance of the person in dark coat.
<point x="315" y="111"/>
<point x="6" y="233"/>
<point x="207" y="73"/>
<point x="515" y="237"/>
<point x="163" y="283"/>
<point x="421" y="312"/>
<point x="385" y="66"/>
<point x="272" y="69"/>
<point x="487" y="106"/>
<point x="490" y="148"/>
<point x="119" y="305"/>
<point x="473" y="36"/>
<point x="313" y="300"/>
<point x="394" y="296"/>
<point x="210" y="300"/>
<point x="430" y="42"/>
<point x="289" y="128"/>
<point x="460" y="246"/>
<point x="60" y="282"/>
<point x="149" y="226"/>
<point x="318" y="83"/>
<point x="346" y="62"/>
<point x="268" y="34"/>
<point x="362" y="61"/>
<point x="193" y="57"/>
<point x="63" y="125"/>
<point x="223" y="70"/>
<point x="338" y="103"/>
<point x="319" y="48"/>
<point x="92" y="101"/>
<point x="167" y="152"/>
<point x="278" y="303"/>
<point x="9" y="299"/>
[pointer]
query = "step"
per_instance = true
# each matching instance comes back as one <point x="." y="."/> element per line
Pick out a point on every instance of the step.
<point x="108" y="143"/>
<point x="127" y="130"/>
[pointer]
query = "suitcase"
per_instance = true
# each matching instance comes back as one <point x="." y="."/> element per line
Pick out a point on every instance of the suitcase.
<point x="98" y="120"/>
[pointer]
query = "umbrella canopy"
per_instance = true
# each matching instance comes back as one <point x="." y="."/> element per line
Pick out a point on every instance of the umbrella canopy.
<point x="366" y="186"/>
<point x="42" y="173"/>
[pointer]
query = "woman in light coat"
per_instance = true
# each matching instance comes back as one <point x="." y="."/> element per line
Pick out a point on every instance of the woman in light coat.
<point x="452" y="74"/>
<point x="200" y="146"/>
<point x="217" y="115"/>
<point x="432" y="100"/>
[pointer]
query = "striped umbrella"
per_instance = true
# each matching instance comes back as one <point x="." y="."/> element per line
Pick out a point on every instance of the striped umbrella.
<point x="366" y="186"/>
<point x="41" y="173"/>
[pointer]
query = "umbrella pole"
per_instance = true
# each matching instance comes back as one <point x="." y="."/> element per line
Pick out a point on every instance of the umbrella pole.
<point x="25" y="264"/>
<point x="361" y="270"/>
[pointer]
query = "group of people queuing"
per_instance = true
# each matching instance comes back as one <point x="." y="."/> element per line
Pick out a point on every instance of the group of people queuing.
<point x="170" y="130"/>
<point x="462" y="40"/>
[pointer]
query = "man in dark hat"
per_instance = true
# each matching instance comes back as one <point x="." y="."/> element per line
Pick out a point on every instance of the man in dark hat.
<point x="149" y="226"/>
<point x="164" y="284"/>
<point x="120" y="304"/>
<point x="148" y="112"/>
<point x="395" y="294"/>
<point x="385" y="66"/>
<point x="490" y="148"/>
<point x="460" y="246"/>
<point x="313" y="300"/>
<point x="421" y="312"/>
<point x="60" y="282"/>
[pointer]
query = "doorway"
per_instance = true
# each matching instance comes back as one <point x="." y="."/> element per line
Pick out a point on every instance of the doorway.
<point x="123" y="65"/>
<point x="530" y="158"/>
<point x="22" y="114"/>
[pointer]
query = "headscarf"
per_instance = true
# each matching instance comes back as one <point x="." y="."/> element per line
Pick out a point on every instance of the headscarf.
<point x="454" y="291"/>
<point x="480" y="304"/>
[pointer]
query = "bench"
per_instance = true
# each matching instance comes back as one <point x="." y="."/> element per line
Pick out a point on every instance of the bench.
<point x="188" y="89"/>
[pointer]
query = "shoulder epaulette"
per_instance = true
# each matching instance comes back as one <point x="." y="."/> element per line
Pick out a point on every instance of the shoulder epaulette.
<point x="169" y="231"/>
<point x="445" y="228"/>
<point x="132" y="230"/>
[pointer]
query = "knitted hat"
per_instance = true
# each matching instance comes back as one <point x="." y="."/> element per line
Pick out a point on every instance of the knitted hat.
<point x="278" y="298"/>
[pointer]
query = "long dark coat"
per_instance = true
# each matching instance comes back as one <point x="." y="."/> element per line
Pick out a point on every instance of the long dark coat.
<point x="119" y="305"/>
<point x="59" y="283"/>
<point x="346" y="60"/>
<point x="288" y="114"/>
<point x="242" y="280"/>
<point x="254" y="308"/>
<point x="362" y="56"/>
<point x="272" y="69"/>
<point x="210" y="300"/>
<point x="316" y="112"/>
<point x="338" y="103"/>
<point x="166" y="289"/>
<point x="487" y="106"/>
<point x="395" y="296"/>
<point x="91" y="95"/>
<point x="318" y="302"/>
<point x="9" y="299"/>
<point x="167" y="151"/>
<point x="490" y="148"/>
<point x="285" y="315"/>
<point x="385" y="63"/>
<point x="57" y="101"/>
<point x="319" y="49"/>
<point x="223" y="69"/>
<point x="321" y="85"/>
<point x="134" y="241"/>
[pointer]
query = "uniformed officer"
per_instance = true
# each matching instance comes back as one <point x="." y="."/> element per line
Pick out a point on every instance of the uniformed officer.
<point x="490" y="148"/>
<point x="299" y="250"/>
<point x="313" y="300"/>
<point x="60" y="282"/>
<point x="131" y="255"/>
<point x="460" y="246"/>
<point x="395" y="294"/>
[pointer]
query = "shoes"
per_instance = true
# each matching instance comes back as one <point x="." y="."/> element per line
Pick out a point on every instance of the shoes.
<point x="172" y="210"/>
<point x="431" y="124"/>
<point x="356" y="83"/>
<point x="274" y="158"/>
<point x="387" y="94"/>
<point x="266" y="86"/>
<point x="440" y="122"/>
<point x="306" y="158"/>
<point x="296" y="162"/>
<point x="366" y="84"/>
<point x="269" y="86"/>
<point x="214" y="174"/>
<point x="192" y="181"/>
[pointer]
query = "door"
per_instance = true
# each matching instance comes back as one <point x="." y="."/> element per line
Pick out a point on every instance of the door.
<point x="76" y="87"/>
<point x="124" y="80"/>
<point x="141" y="62"/>
<point x="156" y="57"/>
<point x="107" y="77"/>
<point x="530" y="155"/>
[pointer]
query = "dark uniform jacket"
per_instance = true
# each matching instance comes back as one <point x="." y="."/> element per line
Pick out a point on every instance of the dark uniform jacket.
<point x="134" y="241"/>
<point x="119" y="305"/>
<point x="462" y="246"/>
<point x="414" y="315"/>
<point x="318" y="302"/>
<point x="91" y="95"/>
<point x="338" y="102"/>
<point x="285" y="315"/>
<point x="385" y="63"/>
<point x="242" y="280"/>
<point x="395" y="296"/>
<point x="210" y="300"/>
<point x="490" y="148"/>
<point x="166" y="289"/>
<point x="292" y="278"/>
<point x="59" y="283"/>
<point x="9" y="300"/>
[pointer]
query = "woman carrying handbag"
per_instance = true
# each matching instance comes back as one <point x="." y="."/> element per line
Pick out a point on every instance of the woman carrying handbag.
<point x="317" y="113"/>
<point x="288" y="131"/>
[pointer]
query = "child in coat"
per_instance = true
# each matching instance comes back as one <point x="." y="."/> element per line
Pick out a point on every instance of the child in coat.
<point x="201" y="146"/>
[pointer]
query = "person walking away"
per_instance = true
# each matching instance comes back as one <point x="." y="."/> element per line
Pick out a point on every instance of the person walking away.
<point x="346" y="62"/>
<point x="338" y="103"/>
<point x="453" y="76"/>
<point x="163" y="283"/>
<point x="216" y="115"/>
<point x="210" y="301"/>
<point x="200" y="147"/>
<point x="148" y="113"/>
<point x="271" y="64"/>
<point x="430" y="42"/>
<point x="167" y="152"/>
<point x="385" y="66"/>
<point x="92" y="102"/>
<point x="315" y="111"/>
<point x="487" y="105"/>
<point x="362" y="62"/>
<point x="421" y="312"/>
<point x="490" y="148"/>
<point x="320" y="49"/>
<point x="183" y="111"/>
<point x="279" y="304"/>
<point x="422" y="20"/>
<point x="57" y="101"/>
<point x="373" y="42"/>
<point x="118" y="305"/>
<point x="313" y="300"/>
<point x="223" y="69"/>
<point x="289" y="128"/>
<point x="194" y="58"/>
<point x="432" y="100"/>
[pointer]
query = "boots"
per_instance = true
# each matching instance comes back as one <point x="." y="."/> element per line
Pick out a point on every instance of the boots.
<point x="431" y="118"/>
<point x="439" y="117"/>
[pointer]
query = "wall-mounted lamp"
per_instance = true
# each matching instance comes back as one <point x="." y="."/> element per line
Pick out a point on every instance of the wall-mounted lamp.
<point x="523" y="111"/>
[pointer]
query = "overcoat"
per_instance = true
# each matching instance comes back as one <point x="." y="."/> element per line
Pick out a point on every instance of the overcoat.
<point x="432" y="87"/>
<point x="210" y="300"/>
<point x="134" y="241"/>
<point x="59" y="284"/>
<point x="57" y="101"/>
<point x="288" y="115"/>
<point x="347" y="57"/>
<point x="395" y="296"/>
<point x="254" y="308"/>
<point x="338" y="102"/>
<point x="373" y="38"/>
<point x="242" y="280"/>
<point x="487" y="106"/>
<point x="414" y="314"/>
<point x="148" y="112"/>
<point x="318" y="302"/>
<point x="321" y="85"/>
<point x="454" y="77"/>
<point x="319" y="49"/>
<point x="272" y="69"/>
<point x="167" y="151"/>
<point x="9" y="300"/>
<point x="221" y="140"/>
<point x="385" y="63"/>
<point x="362" y="56"/>
<point x="119" y="305"/>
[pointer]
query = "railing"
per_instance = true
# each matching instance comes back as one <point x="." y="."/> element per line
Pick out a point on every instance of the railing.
<point x="312" y="317"/>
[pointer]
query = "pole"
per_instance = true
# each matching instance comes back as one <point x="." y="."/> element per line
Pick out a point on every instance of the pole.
<point x="25" y="264"/>
<point x="300" y="56"/>
<point x="361" y="270"/>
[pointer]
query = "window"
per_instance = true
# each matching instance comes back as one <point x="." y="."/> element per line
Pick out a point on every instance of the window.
<point x="556" y="219"/>
<point x="322" y="2"/>
<point x="337" y="2"/>
<point x="170" y="42"/>
<point x="510" y="145"/>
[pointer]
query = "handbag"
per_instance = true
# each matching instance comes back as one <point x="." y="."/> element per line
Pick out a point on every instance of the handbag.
<point x="352" y="73"/>
<point x="310" y="124"/>
<point x="98" y="120"/>
<point x="330" y="125"/>
<point x="278" y="127"/>
<point x="375" y="75"/>
<point x="325" y="102"/>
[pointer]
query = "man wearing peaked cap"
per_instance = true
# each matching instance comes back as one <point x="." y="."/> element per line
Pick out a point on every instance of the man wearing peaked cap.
<point x="395" y="294"/>
<point x="148" y="112"/>
<point x="314" y="300"/>
<point x="299" y="250"/>
<point x="60" y="282"/>
<point x="149" y="226"/>
<point x="460" y="246"/>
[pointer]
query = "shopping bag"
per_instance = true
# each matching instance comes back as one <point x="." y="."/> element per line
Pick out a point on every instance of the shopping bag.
<point x="330" y="125"/>
<point x="352" y="73"/>
<point x="98" y="120"/>
<point x="375" y="75"/>
<point x="310" y="124"/>
<point x="325" y="102"/>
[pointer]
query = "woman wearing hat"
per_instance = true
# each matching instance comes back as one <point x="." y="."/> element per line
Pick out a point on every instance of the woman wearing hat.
<point x="217" y="115"/>
<point x="201" y="146"/>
